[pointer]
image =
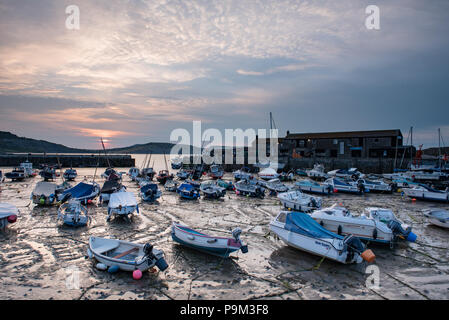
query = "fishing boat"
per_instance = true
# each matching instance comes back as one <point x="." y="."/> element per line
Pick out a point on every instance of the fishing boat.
<point x="317" y="173"/>
<point x="300" y="231"/>
<point x="112" y="174"/>
<point x="243" y="173"/>
<point x="276" y="186"/>
<point x="377" y="185"/>
<point x="73" y="213"/>
<point x="122" y="204"/>
<point x="48" y="173"/>
<point x="147" y="173"/>
<point x="352" y="173"/>
<point x="375" y="224"/>
<point x="216" y="172"/>
<point x="171" y="185"/>
<point x="109" y="187"/>
<point x="340" y="185"/>
<point x="133" y="173"/>
<point x="150" y="192"/>
<point x="84" y="192"/>
<point x="70" y="174"/>
<point x="212" y="190"/>
<point x="8" y="214"/>
<point x="296" y="200"/>
<point x="183" y="174"/>
<point x="176" y="163"/>
<point x="23" y="171"/>
<point x="163" y="176"/>
<point x="45" y="193"/>
<point x="438" y="217"/>
<point x="187" y="191"/>
<point x="310" y="186"/>
<point x="217" y="246"/>
<point x="228" y="185"/>
<point x="249" y="188"/>
<point x="424" y="192"/>
<point x="268" y="174"/>
<point x="128" y="256"/>
<point x="286" y="176"/>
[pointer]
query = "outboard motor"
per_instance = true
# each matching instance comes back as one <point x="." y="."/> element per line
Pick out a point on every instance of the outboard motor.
<point x="66" y="197"/>
<point x="353" y="246"/>
<point x="361" y="186"/>
<point x="236" y="234"/>
<point x="397" y="230"/>
<point x="148" y="250"/>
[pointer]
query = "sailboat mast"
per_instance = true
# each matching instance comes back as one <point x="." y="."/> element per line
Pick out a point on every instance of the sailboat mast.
<point x="439" y="148"/>
<point x="411" y="146"/>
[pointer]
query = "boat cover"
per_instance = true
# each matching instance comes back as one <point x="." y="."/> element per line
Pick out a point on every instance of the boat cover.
<point x="110" y="186"/>
<point x="45" y="188"/>
<point x="124" y="199"/>
<point x="148" y="187"/>
<point x="7" y="209"/>
<point x="80" y="190"/>
<point x="268" y="171"/>
<point x="339" y="182"/>
<point x="302" y="223"/>
<point x="186" y="187"/>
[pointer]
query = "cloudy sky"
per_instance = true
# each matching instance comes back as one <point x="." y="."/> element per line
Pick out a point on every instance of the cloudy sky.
<point x="136" y="70"/>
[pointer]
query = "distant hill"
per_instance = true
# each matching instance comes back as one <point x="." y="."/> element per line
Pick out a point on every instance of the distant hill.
<point x="11" y="143"/>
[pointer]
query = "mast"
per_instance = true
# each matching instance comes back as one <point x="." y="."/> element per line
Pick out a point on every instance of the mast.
<point x="102" y="143"/>
<point x="439" y="148"/>
<point x="411" y="146"/>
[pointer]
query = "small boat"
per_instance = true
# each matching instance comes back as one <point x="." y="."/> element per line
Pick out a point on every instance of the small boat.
<point x="243" y="173"/>
<point x="340" y="185"/>
<point x="296" y="200"/>
<point x="276" y="186"/>
<point x="109" y="187"/>
<point x="352" y="173"/>
<point x="112" y="174"/>
<point x="216" y="172"/>
<point x="402" y="182"/>
<point x="45" y="193"/>
<point x="197" y="172"/>
<point x="133" y="173"/>
<point x="147" y="173"/>
<point x="83" y="192"/>
<point x="300" y="231"/>
<point x="128" y="256"/>
<point x="375" y="224"/>
<point x="438" y="217"/>
<point x="163" y="176"/>
<point x="171" y="185"/>
<point x="23" y="171"/>
<point x="193" y="183"/>
<point x="48" y="173"/>
<point x="183" y="174"/>
<point x="268" y="174"/>
<point x="187" y="191"/>
<point x="70" y="174"/>
<point x="212" y="190"/>
<point x="424" y="192"/>
<point x="122" y="204"/>
<point x="286" y="176"/>
<point x="8" y="214"/>
<point x="249" y="188"/>
<point x="310" y="186"/>
<point x="150" y="192"/>
<point x="73" y="213"/>
<point x="217" y="246"/>
<point x="377" y="185"/>
<point x="317" y="173"/>
<point x="301" y="172"/>
<point x="228" y="185"/>
<point x="176" y="163"/>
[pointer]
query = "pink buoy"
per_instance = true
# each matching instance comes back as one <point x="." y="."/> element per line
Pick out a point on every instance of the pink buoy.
<point x="137" y="274"/>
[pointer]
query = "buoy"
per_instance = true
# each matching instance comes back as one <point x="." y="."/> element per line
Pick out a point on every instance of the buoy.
<point x="12" y="218"/>
<point x="368" y="255"/>
<point x="413" y="200"/>
<point x="113" y="269"/>
<point x="137" y="274"/>
<point x="335" y="190"/>
<point x="101" y="266"/>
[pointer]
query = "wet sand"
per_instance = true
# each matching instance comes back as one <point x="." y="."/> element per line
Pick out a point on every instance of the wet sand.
<point x="37" y="252"/>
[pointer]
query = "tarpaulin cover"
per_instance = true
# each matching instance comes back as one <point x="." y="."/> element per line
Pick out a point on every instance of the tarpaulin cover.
<point x="302" y="223"/>
<point x="110" y="186"/>
<point x="44" y="188"/>
<point x="7" y="209"/>
<point x="80" y="190"/>
<point x="124" y="199"/>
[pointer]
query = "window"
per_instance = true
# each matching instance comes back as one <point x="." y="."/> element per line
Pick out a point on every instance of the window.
<point x="356" y="153"/>
<point x="333" y="153"/>
<point x="282" y="217"/>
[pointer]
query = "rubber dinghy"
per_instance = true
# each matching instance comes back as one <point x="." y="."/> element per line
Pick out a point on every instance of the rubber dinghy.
<point x="8" y="214"/>
<point x="82" y="192"/>
<point x="73" y="213"/>
<point x="299" y="230"/>
<point x="375" y="224"/>
<point x="311" y="186"/>
<point x="438" y="217"/>
<point x="296" y="200"/>
<point x="122" y="204"/>
<point x="217" y="246"/>
<point x="128" y="256"/>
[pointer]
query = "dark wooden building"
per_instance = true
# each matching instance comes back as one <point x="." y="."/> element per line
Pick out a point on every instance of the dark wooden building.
<point x="350" y="144"/>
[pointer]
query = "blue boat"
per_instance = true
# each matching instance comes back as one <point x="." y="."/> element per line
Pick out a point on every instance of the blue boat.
<point x="310" y="186"/>
<point x="187" y="191"/>
<point x="150" y="192"/>
<point x="83" y="192"/>
<point x="70" y="174"/>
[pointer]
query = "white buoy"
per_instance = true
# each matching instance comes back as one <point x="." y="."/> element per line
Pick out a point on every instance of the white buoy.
<point x="101" y="266"/>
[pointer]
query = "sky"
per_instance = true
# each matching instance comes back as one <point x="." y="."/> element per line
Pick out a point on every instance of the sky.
<point x="137" y="70"/>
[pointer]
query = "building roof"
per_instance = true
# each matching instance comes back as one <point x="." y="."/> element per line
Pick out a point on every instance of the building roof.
<point x="346" y="134"/>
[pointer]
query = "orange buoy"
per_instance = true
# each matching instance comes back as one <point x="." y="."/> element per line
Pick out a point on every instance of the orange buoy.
<point x="413" y="200"/>
<point x="368" y="255"/>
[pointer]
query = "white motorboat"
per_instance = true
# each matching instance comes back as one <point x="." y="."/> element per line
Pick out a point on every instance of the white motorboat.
<point x="122" y="204"/>
<point x="311" y="186"/>
<point x="73" y="213"/>
<point x="128" y="256"/>
<point x="352" y="173"/>
<point x="8" y="214"/>
<point x="212" y="190"/>
<point x="424" y="192"/>
<point x="296" y="200"/>
<point x="300" y="231"/>
<point x="268" y="174"/>
<point x="438" y="217"/>
<point x="376" y="185"/>
<point x="133" y="173"/>
<point x="23" y="171"/>
<point x="276" y="186"/>
<point x="347" y="186"/>
<point x="250" y="188"/>
<point x="375" y="224"/>
<point x="317" y="172"/>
